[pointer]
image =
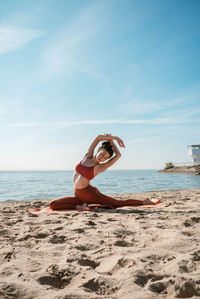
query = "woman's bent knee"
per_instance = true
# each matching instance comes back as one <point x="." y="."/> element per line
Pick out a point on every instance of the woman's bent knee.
<point x="52" y="205"/>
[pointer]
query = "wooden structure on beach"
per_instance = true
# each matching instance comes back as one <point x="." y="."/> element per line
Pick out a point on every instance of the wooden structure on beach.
<point x="194" y="152"/>
<point x="187" y="167"/>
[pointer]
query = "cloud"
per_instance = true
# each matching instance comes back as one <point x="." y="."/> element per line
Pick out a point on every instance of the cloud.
<point x="131" y="104"/>
<point x="67" y="49"/>
<point x="64" y="50"/>
<point x="13" y="38"/>
<point x="154" y="121"/>
<point x="141" y="107"/>
<point x="137" y="107"/>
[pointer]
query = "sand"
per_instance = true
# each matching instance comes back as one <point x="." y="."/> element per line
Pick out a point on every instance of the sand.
<point x="125" y="253"/>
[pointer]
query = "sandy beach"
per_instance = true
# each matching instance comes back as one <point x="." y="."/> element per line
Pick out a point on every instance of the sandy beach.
<point x="121" y="253"/>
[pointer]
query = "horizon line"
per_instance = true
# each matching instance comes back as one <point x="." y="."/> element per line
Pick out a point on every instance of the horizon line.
<point x="154" y="121"/>
<point x="73" y="169"/>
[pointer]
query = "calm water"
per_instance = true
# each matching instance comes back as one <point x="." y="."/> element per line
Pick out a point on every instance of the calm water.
<point x="28" y="185"/>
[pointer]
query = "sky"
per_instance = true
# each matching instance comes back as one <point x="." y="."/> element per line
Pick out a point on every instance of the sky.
<point x="71" y="70"/>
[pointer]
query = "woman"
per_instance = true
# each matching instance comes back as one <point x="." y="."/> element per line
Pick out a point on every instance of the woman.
<point x="89" y="167"/>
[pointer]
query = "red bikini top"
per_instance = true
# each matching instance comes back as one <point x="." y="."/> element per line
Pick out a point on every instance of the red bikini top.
<point x="86" y="171"/>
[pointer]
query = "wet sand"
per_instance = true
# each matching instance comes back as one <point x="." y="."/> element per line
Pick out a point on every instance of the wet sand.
<point x="121" y="253"/>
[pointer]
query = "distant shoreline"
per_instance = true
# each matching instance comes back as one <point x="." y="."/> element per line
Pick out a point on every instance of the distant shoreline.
<point x="193" y="170"/>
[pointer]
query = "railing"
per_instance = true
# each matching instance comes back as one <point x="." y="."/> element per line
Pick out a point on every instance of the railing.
<point x="186" y="164"/>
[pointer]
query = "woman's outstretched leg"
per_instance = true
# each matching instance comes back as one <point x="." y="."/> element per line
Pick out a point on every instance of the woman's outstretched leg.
<point x="107" y="200"/>
<point x="66" y="202"/>
<point x="91" y="195"/>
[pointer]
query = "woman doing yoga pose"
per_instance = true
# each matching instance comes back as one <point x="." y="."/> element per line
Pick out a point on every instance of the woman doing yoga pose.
<point x="89" y="167"/>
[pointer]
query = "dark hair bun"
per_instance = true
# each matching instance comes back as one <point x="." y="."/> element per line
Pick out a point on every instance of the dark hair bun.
<point x="106" y="144"/>
<point x="108" y="147"/>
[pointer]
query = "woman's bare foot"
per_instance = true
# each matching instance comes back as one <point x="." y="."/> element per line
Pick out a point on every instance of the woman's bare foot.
<point x="83" y="207"/>
<point x="148" y="201"/>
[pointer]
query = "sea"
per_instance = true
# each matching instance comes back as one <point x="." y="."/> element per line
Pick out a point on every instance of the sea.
<point x="30" y="185"/>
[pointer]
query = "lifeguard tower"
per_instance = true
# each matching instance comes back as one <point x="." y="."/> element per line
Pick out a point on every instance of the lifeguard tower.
<point x="194" y="152"/>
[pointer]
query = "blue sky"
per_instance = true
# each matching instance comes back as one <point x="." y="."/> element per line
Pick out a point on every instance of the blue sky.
<point x="70" y="70"/>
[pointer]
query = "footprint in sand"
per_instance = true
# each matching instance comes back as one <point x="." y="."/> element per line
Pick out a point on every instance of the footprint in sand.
<point x="196" y="219"/>
<point x="55" y="239"/>
<point x="4" y="232"/>
<point x="122" y="243"/>
<point x="123" y="232"/>
<point x="159" y="287"/>
<point x="88" y="262"/>
<point x="83" y="247"/>
<point x="58" y="228"/>
<point x="196" y="256"/>
<point x="14" y="290"/>
<point x="187" y="234"/>
<point x="56" y="282"/>
<point x="57" y="278"/>
<point x="13" y="222"/>
<point x="24" y="237"/>
<point x="186" y="288"/>
<point x="101" y="286"/>
<point x="141" y="278"/>
<point x="79" y="230"/>
<point x="8" y="211"/>
<point x="154" y="282"/>
<point x="7" y="255"/>
<point x="41" y="235"/>
<point x="183" y="266"/>
<point x="114" y="264"/>
<point x="91" y="223"/>
<point x="192" y="221"/>
<point x="112" y="219"/>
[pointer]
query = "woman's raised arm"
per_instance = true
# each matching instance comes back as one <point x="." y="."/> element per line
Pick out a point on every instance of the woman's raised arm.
<point x="90" y="151"/>
<point x="113" y="160"/>
<point x="99" y="138"/>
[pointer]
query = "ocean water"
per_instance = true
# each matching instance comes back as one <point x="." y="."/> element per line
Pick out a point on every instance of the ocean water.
<point x="29" y="185"/>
